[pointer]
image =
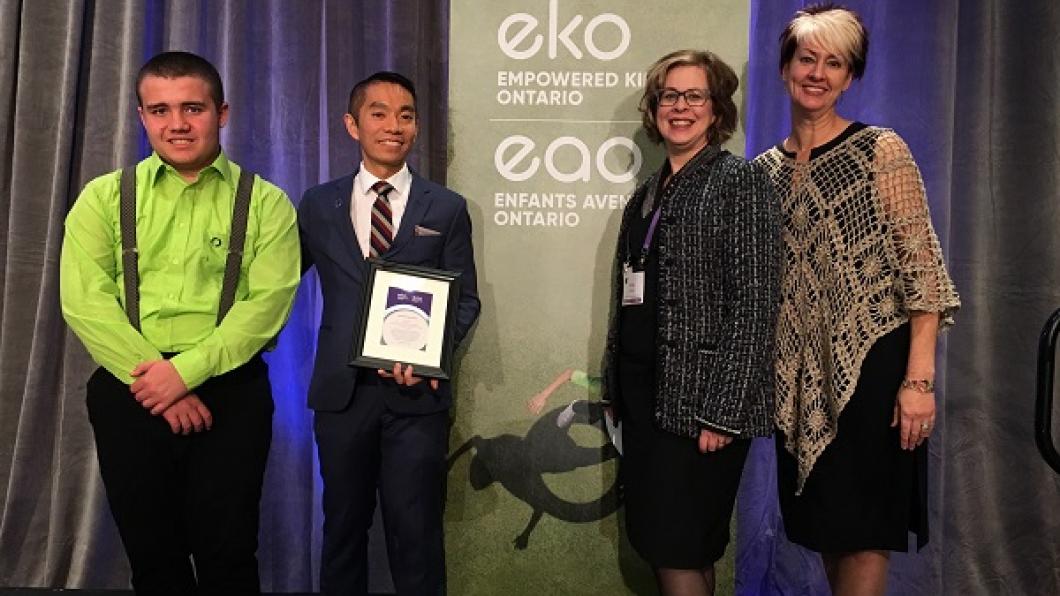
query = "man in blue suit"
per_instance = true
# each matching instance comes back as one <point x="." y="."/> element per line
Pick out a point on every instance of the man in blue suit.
<point x="385" y="430"/>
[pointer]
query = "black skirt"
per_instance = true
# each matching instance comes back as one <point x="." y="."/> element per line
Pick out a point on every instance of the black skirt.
<point x="864" y="492"/>
<point x="678" y="501"/>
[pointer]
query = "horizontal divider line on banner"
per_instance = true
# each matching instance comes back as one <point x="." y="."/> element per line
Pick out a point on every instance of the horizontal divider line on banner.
<point x="565" y="120"/>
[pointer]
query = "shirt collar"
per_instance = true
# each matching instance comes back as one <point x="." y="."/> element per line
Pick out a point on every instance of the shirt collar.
<point x="220" y="164"/>
<point x="401" y="181"/>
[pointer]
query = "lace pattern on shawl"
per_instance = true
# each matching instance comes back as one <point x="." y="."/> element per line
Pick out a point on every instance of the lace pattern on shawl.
<point x="859" y="254"/>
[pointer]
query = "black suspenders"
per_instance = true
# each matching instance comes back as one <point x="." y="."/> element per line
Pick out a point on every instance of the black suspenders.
<point x="130" y="254"/>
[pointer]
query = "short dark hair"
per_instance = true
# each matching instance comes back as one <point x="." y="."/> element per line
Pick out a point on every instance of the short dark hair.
<point x="171" y="65"/>
<point x="835" y="27"/>
<point x="383" y="76"/>
<point x="723" y="83"/>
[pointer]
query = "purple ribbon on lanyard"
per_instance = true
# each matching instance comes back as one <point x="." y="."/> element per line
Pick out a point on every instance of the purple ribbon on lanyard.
<point x="648" y="237"/>
<point x="651" y="229"/>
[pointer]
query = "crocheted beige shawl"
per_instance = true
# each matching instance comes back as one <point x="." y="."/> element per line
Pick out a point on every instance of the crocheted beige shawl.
<point x="859" y="254"/>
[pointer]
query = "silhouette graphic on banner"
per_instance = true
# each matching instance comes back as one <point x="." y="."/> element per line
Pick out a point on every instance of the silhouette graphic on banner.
<point x="520" y="463"/>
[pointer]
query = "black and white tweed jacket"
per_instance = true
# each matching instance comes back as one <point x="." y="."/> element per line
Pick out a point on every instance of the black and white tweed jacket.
<point x="718" y="241"/>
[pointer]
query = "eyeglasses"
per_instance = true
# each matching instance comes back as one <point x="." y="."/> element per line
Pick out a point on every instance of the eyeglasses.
<point x="693" y="97"/>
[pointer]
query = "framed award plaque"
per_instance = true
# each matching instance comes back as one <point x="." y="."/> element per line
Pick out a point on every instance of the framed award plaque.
<point x="407" y="316"/>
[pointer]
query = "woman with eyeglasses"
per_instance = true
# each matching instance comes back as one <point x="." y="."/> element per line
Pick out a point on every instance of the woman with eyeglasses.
<point x="688" y="361"/>
<point x="864" y="294"/>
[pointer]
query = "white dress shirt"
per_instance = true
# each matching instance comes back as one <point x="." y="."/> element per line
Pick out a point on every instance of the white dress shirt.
<point x="363" y="198"/>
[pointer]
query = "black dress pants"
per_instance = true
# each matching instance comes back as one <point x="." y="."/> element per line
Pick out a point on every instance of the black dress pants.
<point x="178" y="499"/>
<point x="368" y="447"/>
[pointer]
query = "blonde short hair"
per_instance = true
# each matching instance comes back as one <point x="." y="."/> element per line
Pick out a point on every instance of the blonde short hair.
<point x="835" y="28"/>
<point x="721" y="79"/>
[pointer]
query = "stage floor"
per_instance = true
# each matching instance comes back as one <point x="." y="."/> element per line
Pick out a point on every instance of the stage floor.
<point x="65" y="592"/>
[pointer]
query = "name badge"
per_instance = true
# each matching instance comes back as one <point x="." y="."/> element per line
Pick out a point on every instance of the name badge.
<point x="632" y="286"/>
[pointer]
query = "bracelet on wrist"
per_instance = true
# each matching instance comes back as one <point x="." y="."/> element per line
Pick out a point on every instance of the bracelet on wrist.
<point x="919" y="385"/>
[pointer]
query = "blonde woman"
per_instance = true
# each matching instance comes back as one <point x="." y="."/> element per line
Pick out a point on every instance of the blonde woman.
<point x="863" y="296"/>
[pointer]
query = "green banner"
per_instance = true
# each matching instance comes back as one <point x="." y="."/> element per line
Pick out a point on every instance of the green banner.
<point x="546" y="144"/>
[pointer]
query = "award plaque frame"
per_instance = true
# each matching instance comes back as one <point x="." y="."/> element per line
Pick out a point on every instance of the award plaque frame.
<point x="407" y="316"/>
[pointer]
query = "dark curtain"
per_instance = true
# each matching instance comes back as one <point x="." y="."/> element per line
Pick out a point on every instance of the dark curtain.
<point x="68" y="114"/>
<point x="973" y="87"/>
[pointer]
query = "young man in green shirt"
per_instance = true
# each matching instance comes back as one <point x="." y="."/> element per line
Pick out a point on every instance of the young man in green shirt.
<point x="181" y="405"/>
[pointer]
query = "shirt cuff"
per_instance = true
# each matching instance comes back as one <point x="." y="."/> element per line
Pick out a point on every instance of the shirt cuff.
<point x="192" y="368"/>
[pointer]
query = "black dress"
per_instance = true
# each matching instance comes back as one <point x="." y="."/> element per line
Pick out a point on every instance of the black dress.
<point x="678" y="501"/>
<point x="865" y="492"/>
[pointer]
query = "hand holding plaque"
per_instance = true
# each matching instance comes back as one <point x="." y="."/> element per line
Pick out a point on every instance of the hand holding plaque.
<point x="406" y="376"/>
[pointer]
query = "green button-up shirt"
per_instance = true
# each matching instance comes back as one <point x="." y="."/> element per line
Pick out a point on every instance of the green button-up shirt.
<point x="182" y="234"/>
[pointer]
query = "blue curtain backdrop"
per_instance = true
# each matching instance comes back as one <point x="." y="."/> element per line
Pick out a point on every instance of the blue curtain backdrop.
<point x="67" y="115"/>
<point x="972" y="85"/>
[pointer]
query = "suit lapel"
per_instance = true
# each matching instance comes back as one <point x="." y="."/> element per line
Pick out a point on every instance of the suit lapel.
<point x="415" y="209"/>
<point x="344" y="226"/>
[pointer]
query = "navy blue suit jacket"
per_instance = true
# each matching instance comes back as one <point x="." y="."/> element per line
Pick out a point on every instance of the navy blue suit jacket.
<point x="330" y="244"/>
